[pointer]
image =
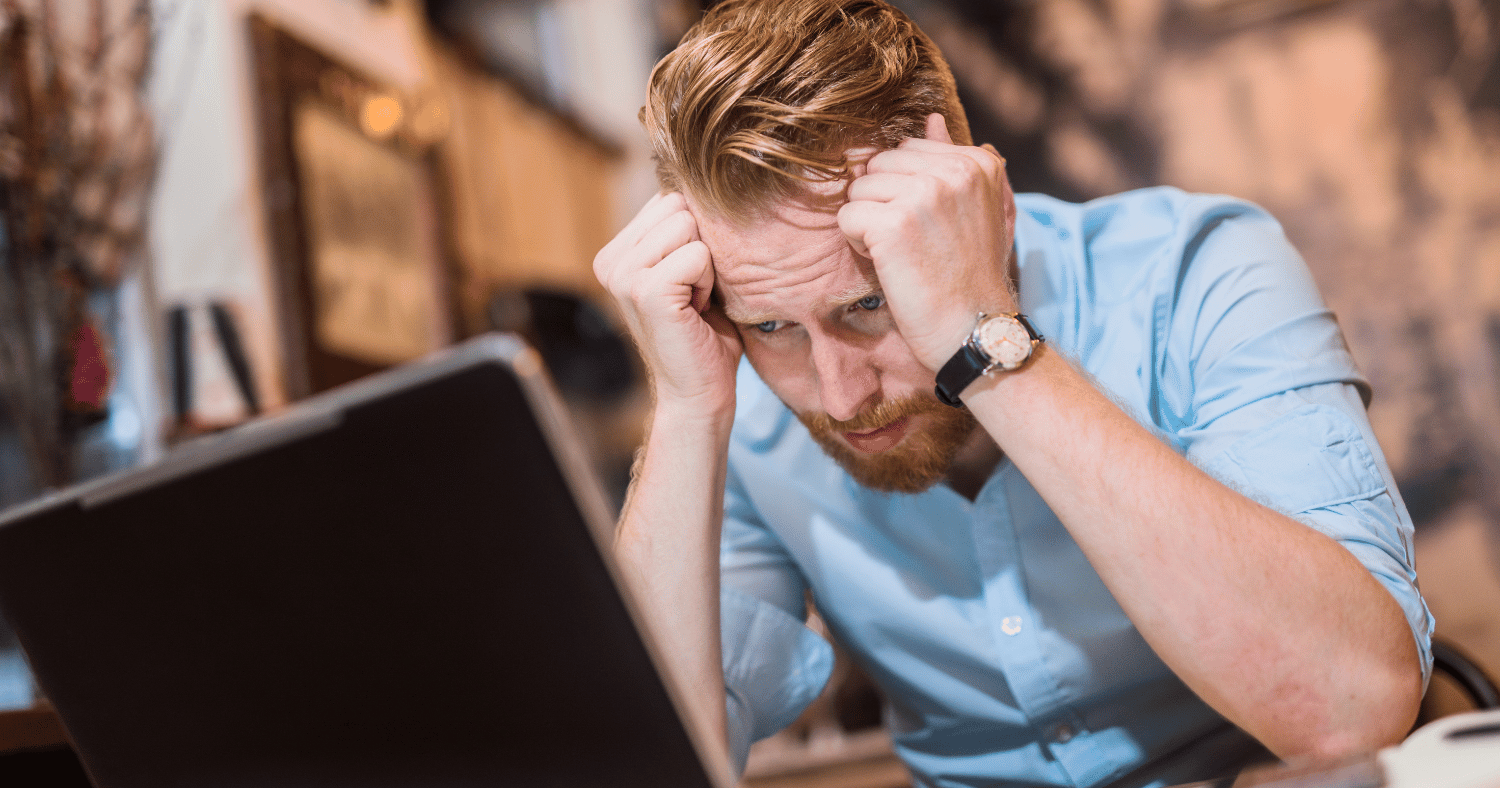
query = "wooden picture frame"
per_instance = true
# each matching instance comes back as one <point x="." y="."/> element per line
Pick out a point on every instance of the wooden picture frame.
<point x="355" y="210"/>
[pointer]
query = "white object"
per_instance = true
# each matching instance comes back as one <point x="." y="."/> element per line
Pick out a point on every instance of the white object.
<point x="1461" y="751"/>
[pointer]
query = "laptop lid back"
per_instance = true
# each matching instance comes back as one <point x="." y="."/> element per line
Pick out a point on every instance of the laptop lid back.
<point x="396" y="584"/>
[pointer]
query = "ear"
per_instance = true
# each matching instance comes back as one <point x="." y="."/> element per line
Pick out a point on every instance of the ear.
<point x="937" y="128"/>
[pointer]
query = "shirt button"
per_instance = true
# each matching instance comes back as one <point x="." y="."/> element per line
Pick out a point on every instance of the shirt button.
<point x="1010" y="625"/>
<point x="1063" y="734"/>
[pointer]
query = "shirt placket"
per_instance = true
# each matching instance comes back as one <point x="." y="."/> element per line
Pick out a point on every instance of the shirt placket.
<point x="1016" y="631"/>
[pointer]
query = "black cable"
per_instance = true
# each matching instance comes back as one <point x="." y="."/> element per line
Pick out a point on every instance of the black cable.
<point x="1466" y="673"/>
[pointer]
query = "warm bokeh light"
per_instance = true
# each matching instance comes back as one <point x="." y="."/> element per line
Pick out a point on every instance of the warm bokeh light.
<point x="380" y="116"/>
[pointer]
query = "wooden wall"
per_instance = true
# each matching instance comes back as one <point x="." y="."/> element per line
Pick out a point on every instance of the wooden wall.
<point x="532" y="191"/>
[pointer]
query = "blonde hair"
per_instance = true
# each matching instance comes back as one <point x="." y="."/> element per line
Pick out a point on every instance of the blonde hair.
<point x="764" y="96"/>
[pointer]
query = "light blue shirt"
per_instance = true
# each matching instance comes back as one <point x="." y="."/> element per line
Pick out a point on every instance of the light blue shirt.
<point x="1000" y="652"/>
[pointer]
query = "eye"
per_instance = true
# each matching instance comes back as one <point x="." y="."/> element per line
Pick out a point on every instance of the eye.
<point x="768" y="326"/>
<point x="871" y="302"/>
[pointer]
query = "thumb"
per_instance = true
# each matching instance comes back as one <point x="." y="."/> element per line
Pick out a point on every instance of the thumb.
<point x="937" y="128"/>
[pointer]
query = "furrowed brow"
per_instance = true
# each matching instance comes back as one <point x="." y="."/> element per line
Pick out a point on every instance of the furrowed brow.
<point x="716" y="297"/>
<point x="844" y="298"/>
<point x="747" y="318"/>
<point x="858" y="292"/>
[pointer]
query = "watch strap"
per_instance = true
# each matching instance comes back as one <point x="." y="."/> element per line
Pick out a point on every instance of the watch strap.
<point x="1036" y="336"/>
<point x="964" y="368"/>
<point x="970" y="362"/>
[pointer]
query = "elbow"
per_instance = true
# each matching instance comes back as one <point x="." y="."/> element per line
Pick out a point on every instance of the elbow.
<point x="1376" y="713"/>
<point x="1404" y="703"/>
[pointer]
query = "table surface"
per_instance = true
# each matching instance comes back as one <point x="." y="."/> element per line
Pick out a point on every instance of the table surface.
<point x="31" y="729"/>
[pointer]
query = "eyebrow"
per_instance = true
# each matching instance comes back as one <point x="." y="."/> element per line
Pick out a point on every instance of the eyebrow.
<point x="848" y="296"/>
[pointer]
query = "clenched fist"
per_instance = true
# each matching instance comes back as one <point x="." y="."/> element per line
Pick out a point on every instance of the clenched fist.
<point x="937" y="219"/>
<point x="661" y="274"/>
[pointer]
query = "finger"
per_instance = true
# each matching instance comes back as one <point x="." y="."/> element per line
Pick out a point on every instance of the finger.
<point x="937" y="128"/>
<point x="881" y="186"/>
<point x="912" y="160"/>
<point x="859" y="159"/>
<point x="945" y="161"/>
<point x="721" y="324"/>
<point x="651" y="214"/>
<point x="914" y="149"/>
<point x="856" y="218"/>
<point x="703" y="286"/>
<point x="617" y="268"/>
<point x="689" y="266"/>
<point x="902" y="160"/>
<point x="644" y="219"/>
<point x="671" y="233"/>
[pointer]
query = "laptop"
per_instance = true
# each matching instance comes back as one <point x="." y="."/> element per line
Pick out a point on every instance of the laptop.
<point x="403" y="582"/>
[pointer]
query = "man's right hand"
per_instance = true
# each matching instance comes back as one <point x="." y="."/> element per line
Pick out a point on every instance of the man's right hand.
<point x="667" y="544"/>
<point x="661" y="274"/>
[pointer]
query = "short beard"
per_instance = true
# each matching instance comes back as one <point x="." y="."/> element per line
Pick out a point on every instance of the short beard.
<point x="920" y="460"/>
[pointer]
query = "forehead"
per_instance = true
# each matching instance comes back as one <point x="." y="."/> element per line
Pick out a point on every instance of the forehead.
<point x="789" y="260"/>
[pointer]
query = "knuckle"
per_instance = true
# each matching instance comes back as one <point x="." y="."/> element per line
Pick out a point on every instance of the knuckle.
<point x="618" y="293"/>
<point x="638" y="290"/>
<point x="965" y="169"/>
<point x="672" y="229"/>
<point x="618" y="284"/>
<point x="930" y="187"/>
<point x="904" y="222"/>
<point x="988" y="165"/>
<point x="690" y="224"/>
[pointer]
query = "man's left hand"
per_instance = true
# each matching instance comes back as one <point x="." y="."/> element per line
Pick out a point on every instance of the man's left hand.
<point x="937" y="219"/>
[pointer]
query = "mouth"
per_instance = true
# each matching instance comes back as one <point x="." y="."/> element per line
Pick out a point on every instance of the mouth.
<point x="880" y="439"/>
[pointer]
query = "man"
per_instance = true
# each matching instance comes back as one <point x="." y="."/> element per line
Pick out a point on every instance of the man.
<point x="1075" y="484"/>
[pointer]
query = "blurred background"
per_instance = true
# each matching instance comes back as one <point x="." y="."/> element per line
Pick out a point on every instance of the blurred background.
<point x="212" y="209"/>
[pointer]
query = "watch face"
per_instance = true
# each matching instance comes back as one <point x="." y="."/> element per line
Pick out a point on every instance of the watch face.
<point x="1005" y="341"/>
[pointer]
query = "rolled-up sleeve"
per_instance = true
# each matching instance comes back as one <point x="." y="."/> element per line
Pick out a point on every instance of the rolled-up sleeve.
<point x="774" y="666"/>
<point x="1313" y="458"/>
<point x="1272" y="404"/>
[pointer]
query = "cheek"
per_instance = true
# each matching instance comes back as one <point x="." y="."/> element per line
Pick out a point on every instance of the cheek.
<point x="901" y="372"/>
<point x="785" y="368"/>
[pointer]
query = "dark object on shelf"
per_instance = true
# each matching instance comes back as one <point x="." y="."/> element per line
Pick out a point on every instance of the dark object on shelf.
<point x="227" y="343"/>
<point x="585" y="355"/>
<point x="228" y="333"/>
<point x="179" y="337"/>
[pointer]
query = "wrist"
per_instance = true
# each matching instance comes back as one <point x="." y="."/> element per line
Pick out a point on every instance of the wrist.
<point x="995" y="387"/>
<point x="986" y="298"/>
<point x="998" y="344"/>
<point x="704" y="415"/>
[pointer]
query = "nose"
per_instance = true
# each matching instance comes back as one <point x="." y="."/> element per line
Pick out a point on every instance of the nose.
<point x="847" y="380"/>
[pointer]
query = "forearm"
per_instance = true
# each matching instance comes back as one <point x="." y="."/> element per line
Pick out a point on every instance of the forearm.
<point x="1275" y="625"/>
<point x="667" y="546"/>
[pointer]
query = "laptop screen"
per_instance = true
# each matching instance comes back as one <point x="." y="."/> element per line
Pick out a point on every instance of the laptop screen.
<point x="395" y="585"/>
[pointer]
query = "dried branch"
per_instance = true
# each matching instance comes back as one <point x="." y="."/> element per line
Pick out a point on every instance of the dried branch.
<point x="77" y="161"/>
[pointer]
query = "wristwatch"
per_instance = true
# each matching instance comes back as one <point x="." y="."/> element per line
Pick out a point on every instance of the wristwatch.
<point x="997" y="344"/>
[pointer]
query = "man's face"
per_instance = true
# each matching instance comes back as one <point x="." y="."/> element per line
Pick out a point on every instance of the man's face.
<point x="816" y="327"/>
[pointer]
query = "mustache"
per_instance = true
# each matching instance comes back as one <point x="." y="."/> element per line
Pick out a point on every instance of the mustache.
<point x="882" y="414"/>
